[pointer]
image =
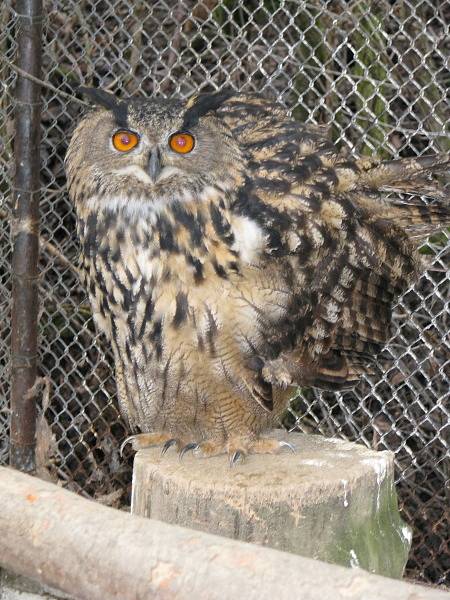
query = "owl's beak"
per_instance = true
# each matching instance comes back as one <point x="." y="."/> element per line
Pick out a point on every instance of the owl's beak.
<point x="154" y="164"/>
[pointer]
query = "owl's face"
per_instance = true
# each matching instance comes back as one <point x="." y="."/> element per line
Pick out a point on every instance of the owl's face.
<point x="151" y="151"/>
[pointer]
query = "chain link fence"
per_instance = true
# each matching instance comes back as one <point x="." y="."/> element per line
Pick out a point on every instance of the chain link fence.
<point x="377" y="73"/>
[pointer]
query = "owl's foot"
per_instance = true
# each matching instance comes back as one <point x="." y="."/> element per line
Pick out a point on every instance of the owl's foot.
<point x="149" y="440"/>
<point x="237" y="448"/>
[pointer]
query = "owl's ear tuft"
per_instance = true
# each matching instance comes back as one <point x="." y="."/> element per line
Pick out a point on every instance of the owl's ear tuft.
<point x="200" y="105"/>
<point x="99" y="97"/>
<point x="108" y="101"/>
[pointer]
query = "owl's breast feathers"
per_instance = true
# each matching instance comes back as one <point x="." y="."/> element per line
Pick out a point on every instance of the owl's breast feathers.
<point x="286" y="280"/>
<point x="186" y="297"/>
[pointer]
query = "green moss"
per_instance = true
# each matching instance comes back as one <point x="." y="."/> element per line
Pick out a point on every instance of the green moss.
<point x="379" y="544"/>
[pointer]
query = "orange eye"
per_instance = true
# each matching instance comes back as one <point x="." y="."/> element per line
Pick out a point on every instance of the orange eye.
<point x="124" y="140"/>
<point x="181" y="142"/>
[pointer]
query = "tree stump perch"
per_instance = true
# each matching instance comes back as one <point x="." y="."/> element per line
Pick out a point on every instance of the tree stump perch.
<point x="332" y="500"/>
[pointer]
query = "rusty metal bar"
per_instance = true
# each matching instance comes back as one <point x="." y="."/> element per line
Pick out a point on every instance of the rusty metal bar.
<point x="25" y="232"/>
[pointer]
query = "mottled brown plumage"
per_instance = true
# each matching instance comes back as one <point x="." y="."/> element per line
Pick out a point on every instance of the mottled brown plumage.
<point x="262" y="260"/>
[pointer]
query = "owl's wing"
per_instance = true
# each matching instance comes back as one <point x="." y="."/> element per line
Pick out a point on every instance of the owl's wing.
<point x="349" y="241"/>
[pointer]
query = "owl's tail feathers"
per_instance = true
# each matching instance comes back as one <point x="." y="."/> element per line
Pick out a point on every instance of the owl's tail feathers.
<point x="407" y="192"/>
<point x="410" y="175"/>
<point x="418" y="219"/>
<point x="337" y="370"/>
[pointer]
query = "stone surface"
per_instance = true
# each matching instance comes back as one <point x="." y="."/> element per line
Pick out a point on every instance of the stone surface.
<point x="332" y="500"/>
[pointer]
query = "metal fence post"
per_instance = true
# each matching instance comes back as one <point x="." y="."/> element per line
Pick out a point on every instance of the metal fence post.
<point x="25" y="233"/>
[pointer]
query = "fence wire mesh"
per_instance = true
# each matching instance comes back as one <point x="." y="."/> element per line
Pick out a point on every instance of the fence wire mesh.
<point x="377" y="73"/>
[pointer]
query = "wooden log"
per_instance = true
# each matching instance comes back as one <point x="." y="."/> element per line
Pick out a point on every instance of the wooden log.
<point x="332" y="500"/>
<point x="15" y="587"/>
<point x="93" y="552"/>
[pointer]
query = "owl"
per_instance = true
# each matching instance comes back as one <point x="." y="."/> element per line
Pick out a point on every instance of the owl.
<point x="232" y="254"/>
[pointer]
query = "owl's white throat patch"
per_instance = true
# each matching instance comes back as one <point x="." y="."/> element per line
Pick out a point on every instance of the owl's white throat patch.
<point x="145" y="205"/>
<point x="135" y="208"/>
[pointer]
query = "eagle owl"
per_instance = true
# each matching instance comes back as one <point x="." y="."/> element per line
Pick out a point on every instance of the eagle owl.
<point x="232" y="254"/>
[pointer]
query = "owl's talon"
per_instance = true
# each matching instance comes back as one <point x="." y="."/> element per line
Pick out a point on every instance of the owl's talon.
<point x="141" y="441"/>
<point x="237" y="456"/>
<point x="127" y="440"/>
<point x="284" y="444"/>
<point x="168" y="444"/>
<point x="187" y="448"/>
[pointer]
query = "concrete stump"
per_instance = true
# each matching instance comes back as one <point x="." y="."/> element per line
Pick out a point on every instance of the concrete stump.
<point x="332" y="500"/>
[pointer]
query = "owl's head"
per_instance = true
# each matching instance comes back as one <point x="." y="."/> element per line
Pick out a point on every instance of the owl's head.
<point x="151" y="151"/>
